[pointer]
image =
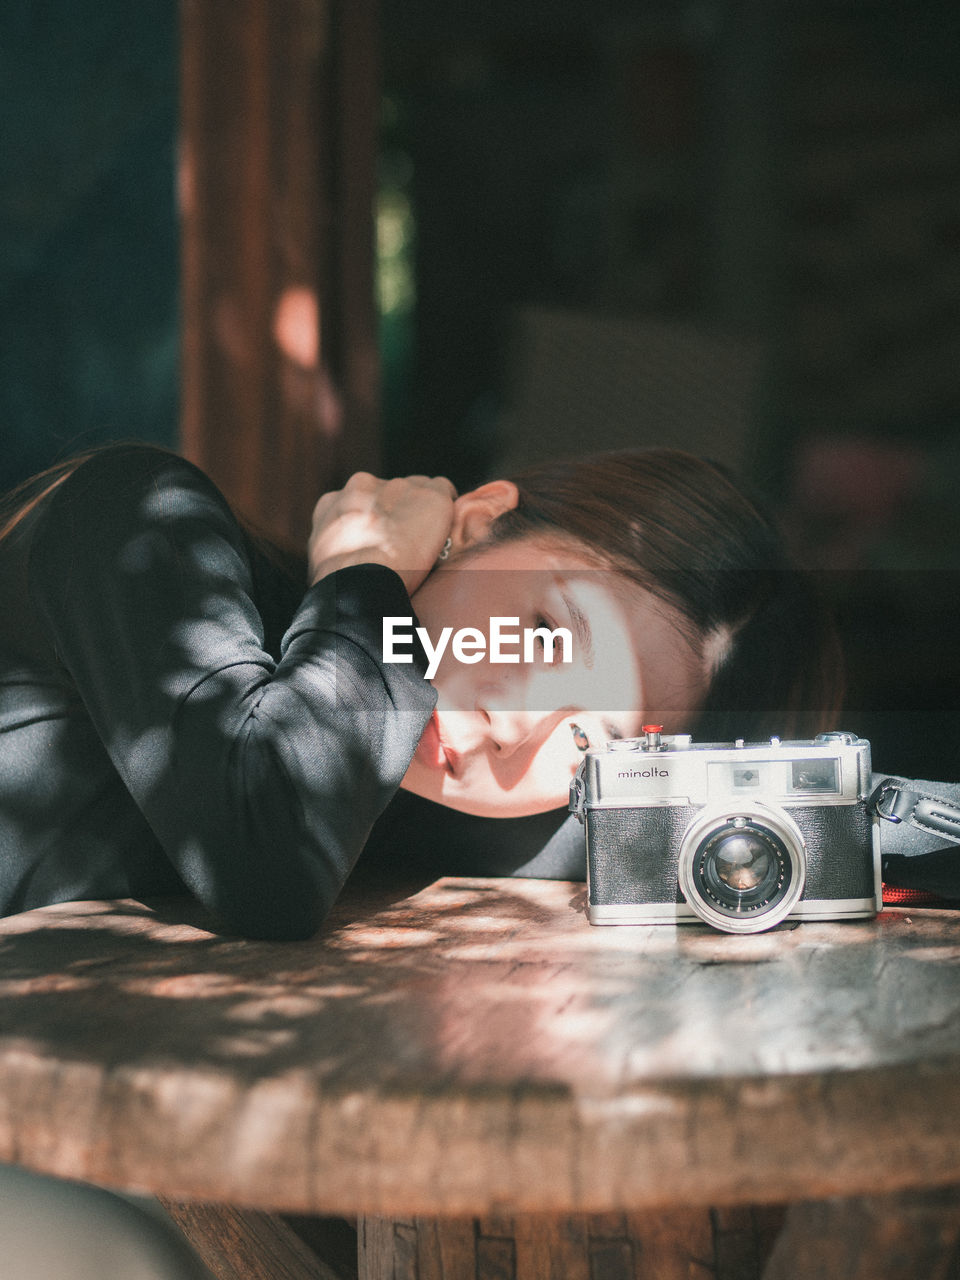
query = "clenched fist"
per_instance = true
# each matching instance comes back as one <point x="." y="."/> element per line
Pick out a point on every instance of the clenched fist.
<point x="399" y="523"/>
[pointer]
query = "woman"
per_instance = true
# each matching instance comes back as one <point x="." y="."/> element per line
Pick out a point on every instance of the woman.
<point x="176" y="713"/>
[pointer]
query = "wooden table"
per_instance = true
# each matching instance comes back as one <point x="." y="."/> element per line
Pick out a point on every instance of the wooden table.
<point x="490" y="1082"/>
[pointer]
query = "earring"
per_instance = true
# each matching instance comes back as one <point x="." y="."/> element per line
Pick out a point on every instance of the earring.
<point x="445" y="550"/>
<point x="581" y="741"/>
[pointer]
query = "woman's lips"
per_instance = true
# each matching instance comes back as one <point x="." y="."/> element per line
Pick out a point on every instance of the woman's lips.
<point x="431" y="750"/>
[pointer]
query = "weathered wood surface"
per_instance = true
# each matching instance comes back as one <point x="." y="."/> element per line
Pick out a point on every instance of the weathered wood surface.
<point x="477" y="1048"/>
<point x="666" y="1244"/>
<point x="246" y="1244"/>
<point x="911" y="1235"/>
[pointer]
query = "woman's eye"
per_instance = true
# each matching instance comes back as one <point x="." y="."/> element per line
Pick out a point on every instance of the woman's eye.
<point x="546" y="639"/>
<point x="541" y="626"/>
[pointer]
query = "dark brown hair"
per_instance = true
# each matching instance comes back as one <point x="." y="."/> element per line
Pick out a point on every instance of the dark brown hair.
<point x="683" y="529"/>
<point x="18" y="502"/>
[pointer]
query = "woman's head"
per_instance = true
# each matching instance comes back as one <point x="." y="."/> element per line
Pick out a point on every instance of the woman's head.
<point x="683" y="607"/>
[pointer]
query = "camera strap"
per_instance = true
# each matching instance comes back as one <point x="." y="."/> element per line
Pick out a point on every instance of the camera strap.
<point x="918" y="818"/>
<point x="926" y="809"/>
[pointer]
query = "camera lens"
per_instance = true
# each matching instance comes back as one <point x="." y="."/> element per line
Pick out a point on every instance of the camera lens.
<point x="743" y="861"/>
<point x="741" y="866"/>
<point x="742" y="872"/>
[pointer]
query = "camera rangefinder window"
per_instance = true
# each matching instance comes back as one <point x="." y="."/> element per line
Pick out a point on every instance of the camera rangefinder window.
<point x="814" y="776"/>
<point x="746" y="777"/>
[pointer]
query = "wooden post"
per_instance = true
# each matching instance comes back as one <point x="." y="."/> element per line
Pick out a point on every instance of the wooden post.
<point x="245" y="1244"/>
<point x="669" y="1244"/>
<point x="911" y="1233"/>
<point x="279" y="109"/>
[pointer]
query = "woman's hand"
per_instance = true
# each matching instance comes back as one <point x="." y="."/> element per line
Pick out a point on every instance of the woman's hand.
<point x="400" y="523"/>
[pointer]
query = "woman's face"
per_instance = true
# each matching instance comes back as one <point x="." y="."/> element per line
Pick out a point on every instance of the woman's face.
<point x="503" y="740"/>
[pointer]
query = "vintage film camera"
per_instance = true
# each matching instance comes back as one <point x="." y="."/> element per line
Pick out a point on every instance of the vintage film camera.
<point x="739" y="835"/>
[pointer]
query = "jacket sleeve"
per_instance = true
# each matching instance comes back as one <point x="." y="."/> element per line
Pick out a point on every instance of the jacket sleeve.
<point x="260" y="778"/>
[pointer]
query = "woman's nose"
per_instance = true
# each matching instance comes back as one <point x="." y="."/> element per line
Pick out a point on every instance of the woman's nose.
<point x="508" y="729"/>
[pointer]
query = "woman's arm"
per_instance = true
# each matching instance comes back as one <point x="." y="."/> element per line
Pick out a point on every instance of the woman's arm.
<point x="260" y="778"/>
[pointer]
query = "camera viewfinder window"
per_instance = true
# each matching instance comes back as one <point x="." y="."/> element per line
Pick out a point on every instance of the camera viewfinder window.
<point x="814" y="776"/>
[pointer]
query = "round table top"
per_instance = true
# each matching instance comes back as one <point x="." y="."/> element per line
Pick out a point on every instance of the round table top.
<point x="476" y="1046"/>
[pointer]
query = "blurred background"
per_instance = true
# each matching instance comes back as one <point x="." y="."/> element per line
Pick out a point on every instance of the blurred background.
<point x="296" y="239"/>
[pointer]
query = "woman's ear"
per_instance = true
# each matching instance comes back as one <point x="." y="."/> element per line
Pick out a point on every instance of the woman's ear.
<point x="475" y="512"/>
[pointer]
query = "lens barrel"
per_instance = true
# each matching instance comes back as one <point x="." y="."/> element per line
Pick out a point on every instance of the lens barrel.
<point x="743" y="870"/>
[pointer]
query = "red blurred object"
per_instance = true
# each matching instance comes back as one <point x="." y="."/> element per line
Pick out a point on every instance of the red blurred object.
<point x="896" y="897"/>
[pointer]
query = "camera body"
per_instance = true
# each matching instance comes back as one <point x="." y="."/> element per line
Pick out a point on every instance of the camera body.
<point x="738" y="835"/>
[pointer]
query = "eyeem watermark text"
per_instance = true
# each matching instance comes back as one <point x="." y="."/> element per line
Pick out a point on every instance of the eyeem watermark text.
<point x="505" y="643"/>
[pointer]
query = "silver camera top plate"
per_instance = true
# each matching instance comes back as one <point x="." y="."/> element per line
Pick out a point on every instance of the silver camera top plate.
<point x="668" y="769"/>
